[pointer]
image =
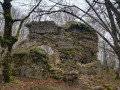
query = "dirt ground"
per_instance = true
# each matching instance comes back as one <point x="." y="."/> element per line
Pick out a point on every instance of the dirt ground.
<point x="85" y="82"/>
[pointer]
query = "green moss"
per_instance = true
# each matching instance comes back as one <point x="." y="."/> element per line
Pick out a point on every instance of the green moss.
<point x="45" y="36"/>
<point x="108" y="87"/>
<point x="6" y="71"/>
<point x="36" y="55"/>
<point x="32" y="36"/>
<point x="69" y="53"/>
<point x="13" y="39"/>
<point x="48" y="66"/>
<point x="11" y="79"/>
<point x="82" y="27"/>
<point x="56" y="69"/>
<point x="105" y="85"/>
<point x="36" y="48"/>
<point x="15" y="81"/>
<point x="45" y="75"/>
<point x="8" y="16"/>
<point x="39" y="55"/>
<point x="7" y="41"/>
<point x="70" y="26"/>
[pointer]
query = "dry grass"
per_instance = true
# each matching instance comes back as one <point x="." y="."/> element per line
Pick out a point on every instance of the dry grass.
<point x="85" y="82"/>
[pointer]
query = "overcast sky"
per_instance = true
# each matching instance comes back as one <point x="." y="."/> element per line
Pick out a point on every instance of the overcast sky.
<point x="19" y="3"/>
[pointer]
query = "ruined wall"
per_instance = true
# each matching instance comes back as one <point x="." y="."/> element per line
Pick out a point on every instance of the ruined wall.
<point x="65" y="44"/>
<point x="75" y="41"/>
<point x="73" y="48"/>
<point x="43" y="27"/>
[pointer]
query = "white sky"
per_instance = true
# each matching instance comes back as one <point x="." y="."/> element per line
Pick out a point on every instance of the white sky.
<point x="18" y="3"/>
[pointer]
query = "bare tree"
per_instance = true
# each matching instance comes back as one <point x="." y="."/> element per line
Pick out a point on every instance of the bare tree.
<point x="8" y="40"/>
<point x="61" y="17"/>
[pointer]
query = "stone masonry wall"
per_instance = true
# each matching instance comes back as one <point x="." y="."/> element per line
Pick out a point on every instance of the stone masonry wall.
<point x="73" y="46"/>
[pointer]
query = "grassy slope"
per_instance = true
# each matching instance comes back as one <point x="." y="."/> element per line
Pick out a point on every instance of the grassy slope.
<point x="85" y="83"/>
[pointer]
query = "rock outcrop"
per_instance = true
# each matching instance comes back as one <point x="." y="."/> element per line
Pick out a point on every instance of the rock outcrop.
<point x="59" y="52"/>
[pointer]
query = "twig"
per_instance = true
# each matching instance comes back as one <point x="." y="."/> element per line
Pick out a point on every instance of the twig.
<point x="15" y="20"/>
<point x="1" y="3"/>
<point x="22" y="20"/>
<point x="2" y="13"/>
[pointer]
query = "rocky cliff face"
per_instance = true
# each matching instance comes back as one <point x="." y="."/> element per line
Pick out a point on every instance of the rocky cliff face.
<point x="68" y="50"/>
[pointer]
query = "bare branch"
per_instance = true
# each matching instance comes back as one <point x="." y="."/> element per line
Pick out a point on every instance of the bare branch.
<point x="15" y="20"/>
<point x="89" y="8"/>
<point x="67" y="6"/>
<point x="54" y="6"/>
<point x="2" y="13"/>
<point x="91" y="28"/>
<point x="1" y="3"/>
<point x="106" y="27"/>
<point x="113" y="26"/>
<point x="106" y="49"/>
<point x="103" y="24"/>
<point x="117" y="13"/>
<point x="98" y="2"/>
<point x="22" y="20"/>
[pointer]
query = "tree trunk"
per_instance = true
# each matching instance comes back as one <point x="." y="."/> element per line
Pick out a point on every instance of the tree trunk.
<point x="5" y="64"/>
<point x="7" y="40"/>
<point x="105" y="63"/>
<point x="118" y="70"/>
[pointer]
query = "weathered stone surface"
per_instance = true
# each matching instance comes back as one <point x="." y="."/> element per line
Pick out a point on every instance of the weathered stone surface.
<point x="65" y="44"/>
<point x="62" y="55"/>
<point x="43" y="27"/>
<point x="90" y="68"/>
<point x="75" y="41"/>
<point x="47" y="49"/>
<point x="34" y="64"/>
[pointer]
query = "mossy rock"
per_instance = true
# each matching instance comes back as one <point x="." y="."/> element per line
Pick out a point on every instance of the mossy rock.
<point x="69" y="54"/>
<point x="70" y="26"/>
<point x="37" y="54"/>
<point x="107" y="86"/>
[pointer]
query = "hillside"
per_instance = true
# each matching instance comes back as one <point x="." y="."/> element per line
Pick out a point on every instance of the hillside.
<point x="86" y="82"/>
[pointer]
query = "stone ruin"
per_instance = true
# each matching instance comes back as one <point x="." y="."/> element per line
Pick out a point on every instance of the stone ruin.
<point x="71" y="37"/>
<point x="42" y="27"/>
<point x="61" y="52"/>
